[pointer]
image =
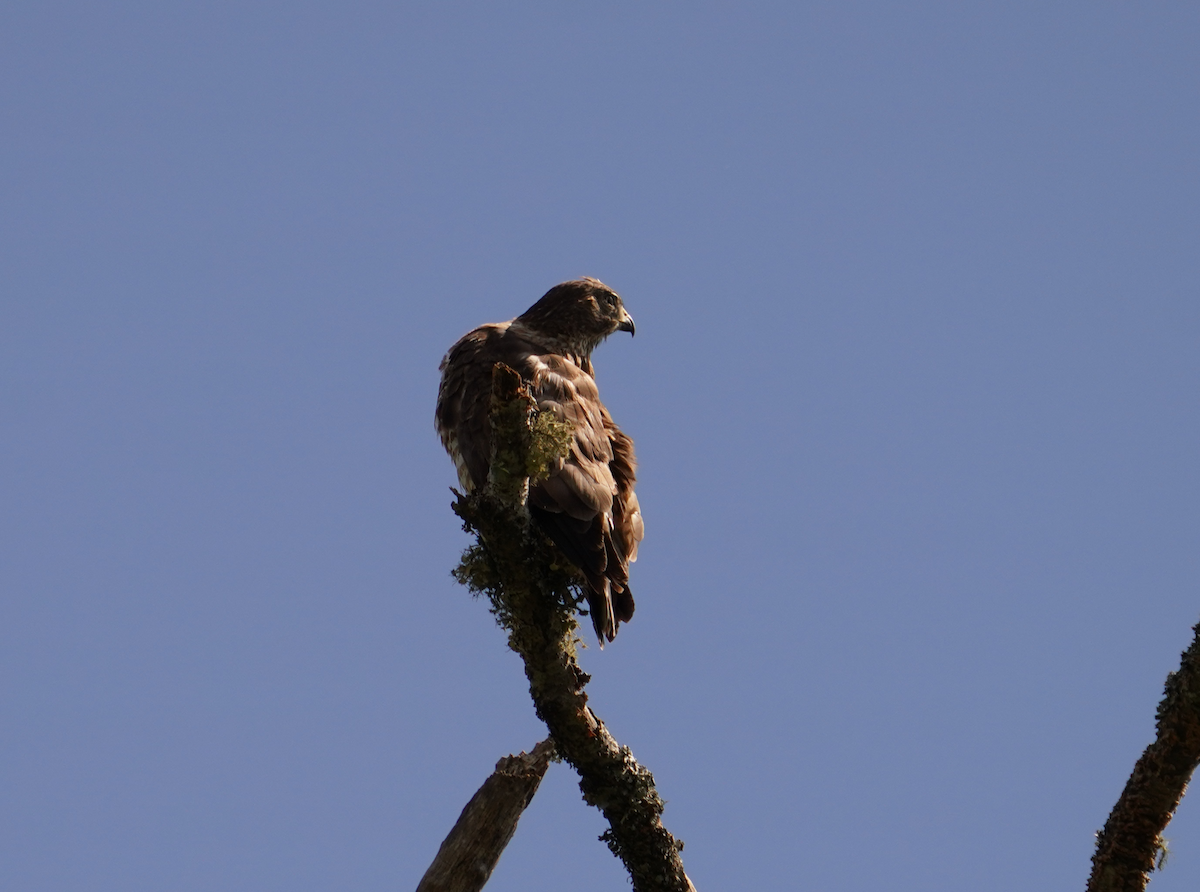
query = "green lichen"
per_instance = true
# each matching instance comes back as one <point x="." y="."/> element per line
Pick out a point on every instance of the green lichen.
<point x="527" y="583"/>
<point x="549" y="440"/>
<point x="476" y="571"/>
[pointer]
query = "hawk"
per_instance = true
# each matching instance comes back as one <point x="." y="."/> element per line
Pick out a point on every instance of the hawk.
<point x="586" y="505"/>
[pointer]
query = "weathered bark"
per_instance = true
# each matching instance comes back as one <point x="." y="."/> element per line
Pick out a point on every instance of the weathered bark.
<point x="1131" y="845"/>
<point x="469" y="854"/>
<point x="533" y="594"/>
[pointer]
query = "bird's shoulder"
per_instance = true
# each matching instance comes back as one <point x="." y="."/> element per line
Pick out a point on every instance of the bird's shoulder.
<point x="558" y="383"/>
<point x="474" y="347"/>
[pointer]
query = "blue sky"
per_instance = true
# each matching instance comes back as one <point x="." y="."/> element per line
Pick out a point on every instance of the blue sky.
<point x="914" y="392"/>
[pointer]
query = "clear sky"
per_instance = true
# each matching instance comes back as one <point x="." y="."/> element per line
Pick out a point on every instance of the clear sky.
<point x="914" y="390"/>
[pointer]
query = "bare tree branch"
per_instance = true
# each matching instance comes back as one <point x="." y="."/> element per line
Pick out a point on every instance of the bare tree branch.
<point x="1131" y="845"/>
<point x="469" y="854"/>
<point x="533" y="596"/>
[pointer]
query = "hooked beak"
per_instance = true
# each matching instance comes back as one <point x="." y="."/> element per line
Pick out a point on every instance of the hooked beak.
<point x="626" y="323"/>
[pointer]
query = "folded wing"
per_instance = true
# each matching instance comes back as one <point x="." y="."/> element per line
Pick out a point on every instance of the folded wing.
<point x="586" y="504"/>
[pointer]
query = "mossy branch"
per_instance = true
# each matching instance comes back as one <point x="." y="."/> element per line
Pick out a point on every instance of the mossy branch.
<point x="1131" y="845"/>
<point x="534" y="593"/>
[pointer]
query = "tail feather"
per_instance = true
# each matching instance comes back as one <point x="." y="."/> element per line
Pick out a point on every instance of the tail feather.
<point x="608" y="606"/>
<point x="600" y="606"/>
<point x="622" y="602"/>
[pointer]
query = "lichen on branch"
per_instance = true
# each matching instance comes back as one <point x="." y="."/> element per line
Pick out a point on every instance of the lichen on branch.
<point x="534" y="594"/>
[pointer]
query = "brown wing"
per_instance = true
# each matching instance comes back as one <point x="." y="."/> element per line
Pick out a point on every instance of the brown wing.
<point x="464" y="399"/>
<point x="586" y="505"/>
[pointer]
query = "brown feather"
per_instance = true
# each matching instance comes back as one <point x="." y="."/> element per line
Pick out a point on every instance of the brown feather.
<point x="587" y="505"/>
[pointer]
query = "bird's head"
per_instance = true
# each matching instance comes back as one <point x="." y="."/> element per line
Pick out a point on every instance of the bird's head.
<point x="576" y="316"/>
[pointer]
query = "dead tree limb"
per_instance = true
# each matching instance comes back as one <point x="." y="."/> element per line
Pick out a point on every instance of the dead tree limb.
<point x="469" y="854"/>
<point x="1131" y="845"/>
<point x="533" y="594"/>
